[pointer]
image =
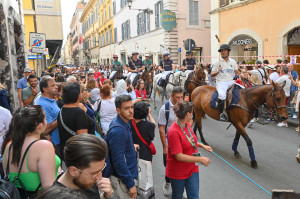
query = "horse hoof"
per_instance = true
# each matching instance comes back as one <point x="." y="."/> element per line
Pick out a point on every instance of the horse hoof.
<point x="254" y="164"/>
<point x="237" y="155"/>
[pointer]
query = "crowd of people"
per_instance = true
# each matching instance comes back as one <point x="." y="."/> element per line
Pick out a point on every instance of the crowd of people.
<point x="77" y="133"/>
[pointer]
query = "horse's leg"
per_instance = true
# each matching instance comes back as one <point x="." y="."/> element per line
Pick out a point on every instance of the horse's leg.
<point x="154" y="95"/>
<point x="235" y="145"/>
<point x="250" y="148"/>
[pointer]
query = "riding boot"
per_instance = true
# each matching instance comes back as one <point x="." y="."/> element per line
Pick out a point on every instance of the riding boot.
<point x="223" y="115"/>
<point x="163" y="83"/>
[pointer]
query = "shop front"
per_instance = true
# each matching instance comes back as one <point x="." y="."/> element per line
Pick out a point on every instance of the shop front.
<point x="245" y="47"/>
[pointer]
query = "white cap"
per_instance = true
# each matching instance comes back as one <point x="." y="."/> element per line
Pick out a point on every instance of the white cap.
<point x="91" y="70"/>
<point x="147" y="55"/>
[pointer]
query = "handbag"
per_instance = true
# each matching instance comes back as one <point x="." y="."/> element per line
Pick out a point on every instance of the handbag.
<point x="151" y="146"/>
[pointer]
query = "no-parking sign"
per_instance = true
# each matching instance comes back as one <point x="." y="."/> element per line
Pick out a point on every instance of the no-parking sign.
<point x="37" y="40"/>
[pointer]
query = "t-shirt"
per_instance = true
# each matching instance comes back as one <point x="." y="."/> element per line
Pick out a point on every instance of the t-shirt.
<point x="91" y="193"/>
<point x="5" y="119"/>
<point x="142" y="93"/>
<point x="162" y="116"/>
<point x="95" y="94"/>
<point x="22" y="83"/>
<point x="146" y="130"/>
<point x="274" y="76"/>
<point x="51" y="110"/>
<point x="26" y="92"/>
<point x="166" y="64"/>
<point x="190" y="63"/>
<point x="75" y="119"/>
<point x="287" y="86"/>
<point x="147" y="63"/>
<point x="115" y="65"/>
<point x="227" y="72"/>
<point x="97" y="74"/>
<point x="135" y="64"/>
<point x="178" y="143"/>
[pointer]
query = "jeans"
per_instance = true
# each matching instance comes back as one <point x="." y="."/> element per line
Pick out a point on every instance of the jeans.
<point x="191" y="185"/>
<point x="165" y="164"/>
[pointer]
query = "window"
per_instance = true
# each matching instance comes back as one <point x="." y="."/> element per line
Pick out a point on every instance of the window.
<point x="143" y="23"/>
<point x="103" y="40"/>
<point x="106" y="38"/>
<point x="105" y="16"/>
<point x="99" y="40"/>
<point x="94" y="41"/>
<point x="102" y="18"/>
<point x="158" y="8"/>
<point x="224" y="3"/>
<point x="114" y="8"/>
<point x="109" y="12"/>
<point x="115" y="35"/>
<point x="125" y="30"/>
<point x="193" y="12"/>
<point x="123" y="3"/>
<point x="110" y="36"/>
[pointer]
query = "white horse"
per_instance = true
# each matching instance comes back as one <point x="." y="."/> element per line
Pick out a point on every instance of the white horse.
<point x="175" y="79"/>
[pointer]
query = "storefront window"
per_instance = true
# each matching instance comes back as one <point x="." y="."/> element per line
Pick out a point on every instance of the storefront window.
<point x="244" y="45"/>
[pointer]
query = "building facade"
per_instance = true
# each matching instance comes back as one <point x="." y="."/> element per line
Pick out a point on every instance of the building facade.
<point x="76" y="35"/>
<point x="90" y="24"/>
<point x="139" y="28"/>
<point x="67" y="51"/>
<point x="43" y="16"/>
<point x="12" y="48"/>
<point x="252" y="30"/>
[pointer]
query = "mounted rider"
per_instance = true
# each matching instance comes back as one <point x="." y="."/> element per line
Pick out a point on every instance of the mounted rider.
<point x="166" y="66"/>
<point x="147" y="62"/>
<point x="135" y="66"/>
<point x="189" y="63"/>
<point x="224" y="69"/>
<point x="115" y="65"/>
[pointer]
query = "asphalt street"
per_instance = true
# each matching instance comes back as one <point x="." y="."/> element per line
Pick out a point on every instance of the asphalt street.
<point x="275" y="149"/>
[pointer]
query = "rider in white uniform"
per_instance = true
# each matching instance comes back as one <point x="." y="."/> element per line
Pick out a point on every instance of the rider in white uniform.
<point x="135" y="66"/>
<point x="224" y="69"/>
<point x="188" y="64"/>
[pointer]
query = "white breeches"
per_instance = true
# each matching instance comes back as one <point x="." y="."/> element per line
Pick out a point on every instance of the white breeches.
<point x="222" y="88"/>
<point x="165" y="73"/>
<point x="112" y="74"/>
<point x="187" y="72"/>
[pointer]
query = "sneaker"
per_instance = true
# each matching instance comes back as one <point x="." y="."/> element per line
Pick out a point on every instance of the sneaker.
<point x="167" y="189"/>
<point x="281" y="124"/>
<point x="255" y="119"/>
<point x="268" y="120"/>
<point x="295" y="116"/>
<point x="252" y="121"/>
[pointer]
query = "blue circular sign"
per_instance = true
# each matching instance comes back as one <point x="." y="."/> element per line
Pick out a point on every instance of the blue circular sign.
<point x="168" y="20"/>
<point x="37" y="40"/>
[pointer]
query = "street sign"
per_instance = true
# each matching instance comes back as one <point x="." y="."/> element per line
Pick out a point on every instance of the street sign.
<point x="46" y="51"/>
<point x="179" y="50"/>
<point x="37" y="50"/>
<point x="37" y="40"/>
<point x="168" y="20"/>
<point x="189" y="44"/>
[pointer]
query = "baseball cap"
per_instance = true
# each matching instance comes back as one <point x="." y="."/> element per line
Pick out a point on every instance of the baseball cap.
<point x="27" y="70"/>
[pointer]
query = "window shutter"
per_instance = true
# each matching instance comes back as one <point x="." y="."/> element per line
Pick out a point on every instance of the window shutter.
<point x="156" y="15"/>
<point x="161" y="5"/>
<point x="138" y="24"/>
<point x="148" y="22"/>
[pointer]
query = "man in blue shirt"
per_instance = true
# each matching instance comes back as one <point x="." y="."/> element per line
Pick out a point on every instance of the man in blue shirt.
<point x="22" y="83"/>
<point x="293" y="88"/>
<point x="48" y="89"/>
<point x="122" y="152"/>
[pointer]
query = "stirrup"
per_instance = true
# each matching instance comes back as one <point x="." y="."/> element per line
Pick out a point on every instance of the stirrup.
<point x="223" y="117"/>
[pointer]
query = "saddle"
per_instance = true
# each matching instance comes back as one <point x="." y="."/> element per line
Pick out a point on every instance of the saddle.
<point x="164" y="84"/>
<point x="232" y="98"/>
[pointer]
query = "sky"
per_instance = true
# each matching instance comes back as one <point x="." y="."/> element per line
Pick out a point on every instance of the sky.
<point x="67" y="9"/>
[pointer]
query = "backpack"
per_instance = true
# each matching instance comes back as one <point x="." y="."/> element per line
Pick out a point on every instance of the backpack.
<point x="4" y="99"/>
<point x="8" y="189"/>
<point x="167" y="114"/>
<point x="107" y="172"/>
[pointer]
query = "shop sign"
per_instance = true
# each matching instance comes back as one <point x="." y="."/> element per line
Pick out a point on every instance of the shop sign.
<point x="168" y="20"/>
<point x="250" y="49"/>
<point x="242" y="42"/>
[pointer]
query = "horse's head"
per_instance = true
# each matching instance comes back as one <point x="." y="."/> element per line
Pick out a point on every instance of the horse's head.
<point x="277" y="101"/>
<point x="200" y="74"/>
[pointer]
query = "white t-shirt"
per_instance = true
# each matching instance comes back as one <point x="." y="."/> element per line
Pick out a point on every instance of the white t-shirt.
<point x="227" y="72"/>
<point x="107" y="112"/>
<point x="95" y="94"/>
<point x="287" y="86"/>
<point x="274" y="76"/>
<point x="162" y="116"/>
<point x="5" y="119"/>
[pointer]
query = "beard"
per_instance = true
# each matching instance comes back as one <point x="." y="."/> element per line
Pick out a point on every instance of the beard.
<point x="81" y="185"/>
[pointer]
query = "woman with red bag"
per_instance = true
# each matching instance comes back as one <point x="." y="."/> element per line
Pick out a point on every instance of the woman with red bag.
<point x="145" y="130"/>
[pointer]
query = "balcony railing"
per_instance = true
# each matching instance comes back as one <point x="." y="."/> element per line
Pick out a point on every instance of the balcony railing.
<point x="228" y="2"/>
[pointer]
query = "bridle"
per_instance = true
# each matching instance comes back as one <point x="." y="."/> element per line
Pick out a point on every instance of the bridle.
<point x="197" y="81"/>
<point x="266" y="107"/>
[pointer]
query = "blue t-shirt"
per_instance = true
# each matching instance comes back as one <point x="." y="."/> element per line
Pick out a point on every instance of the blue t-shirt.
<point x="51" y="110"/>
<point x="22" y="83"/>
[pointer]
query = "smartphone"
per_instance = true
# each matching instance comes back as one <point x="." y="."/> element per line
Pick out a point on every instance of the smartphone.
<point x="197" y="155"/>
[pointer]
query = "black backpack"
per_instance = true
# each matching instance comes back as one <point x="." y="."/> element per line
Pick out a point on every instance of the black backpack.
<point x="8" y="190"/>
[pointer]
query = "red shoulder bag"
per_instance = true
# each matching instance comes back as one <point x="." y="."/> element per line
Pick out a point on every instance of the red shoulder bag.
<point x="151" y="146"/>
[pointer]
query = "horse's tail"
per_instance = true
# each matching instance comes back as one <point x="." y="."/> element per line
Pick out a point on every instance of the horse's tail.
<point x="158" y="92"/>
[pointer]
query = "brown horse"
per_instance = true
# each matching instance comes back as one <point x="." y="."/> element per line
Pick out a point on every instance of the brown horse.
<point x="272" y="96"/>
<point x="197" y="79"/>
<point x="147" y="76"/>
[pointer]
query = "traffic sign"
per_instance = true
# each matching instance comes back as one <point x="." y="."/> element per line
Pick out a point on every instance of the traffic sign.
<point x="189" y="44"/>
<point x="37" y="50"/>
<point x="179" y="50"/>
<point x="37" y="40"/>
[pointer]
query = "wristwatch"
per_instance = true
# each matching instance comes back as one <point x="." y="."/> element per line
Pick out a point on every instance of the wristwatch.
<point x="105" y="197"/>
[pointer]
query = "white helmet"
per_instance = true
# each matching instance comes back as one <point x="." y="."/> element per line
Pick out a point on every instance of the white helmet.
<point x="166" y="53"/>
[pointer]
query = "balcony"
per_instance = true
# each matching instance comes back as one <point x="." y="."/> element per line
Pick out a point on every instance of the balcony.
<point x="230" y="4"/>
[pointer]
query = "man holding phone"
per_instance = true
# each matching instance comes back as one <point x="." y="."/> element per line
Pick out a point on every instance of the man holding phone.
<point x="224" y="69"/>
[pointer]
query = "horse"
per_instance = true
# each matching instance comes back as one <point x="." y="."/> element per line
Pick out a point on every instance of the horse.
<point x="194" y="80"/>
<point x="272" y="96"/>
<point x="147" y="76"/>
<point x="174" y="77"/>
<point x="118" y="75"/>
